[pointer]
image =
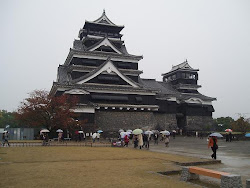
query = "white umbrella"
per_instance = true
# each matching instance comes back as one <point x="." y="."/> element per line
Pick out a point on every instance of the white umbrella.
<point x="148" y="132"/>
<point x="122" y="134"/>
<point x="155" y="131"/>
<point x="129" y="131"/>
<point x="165" y="132"/>
<point x="216" y="135"/>
<point x="94" y="135"/>
<point x="121" y="130"/>
<point x="174" y="131"/>
<point x="80" y="131"/>
<point x="59" y="131"/>
<point x="44" y="131"/>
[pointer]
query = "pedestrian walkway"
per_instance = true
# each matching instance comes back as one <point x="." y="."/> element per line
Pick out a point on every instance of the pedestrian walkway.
<point x="234" y="156"/>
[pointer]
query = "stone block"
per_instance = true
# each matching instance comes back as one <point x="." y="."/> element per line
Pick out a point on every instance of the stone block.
<point x="231" y="181"/>
<point x="186" y="175"/>
<point x="248" y="183"/>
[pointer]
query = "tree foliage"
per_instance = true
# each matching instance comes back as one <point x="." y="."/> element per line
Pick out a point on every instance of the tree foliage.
<point x="7" y="118"/>
<point x="224" y="123"/>
<point x="42" y="110"/>
<point x="241" y="125"/>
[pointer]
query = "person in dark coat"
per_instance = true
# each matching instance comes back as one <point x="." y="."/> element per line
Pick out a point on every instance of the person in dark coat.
<point x="173" y="134"/>
<point x="156" y="137"/>
<point x="135" y="139"/>
<point x="147" y="138"/>
<point x="230" y="137"/>
<point x="5" y="138"/>
<point x="227" y="137"/>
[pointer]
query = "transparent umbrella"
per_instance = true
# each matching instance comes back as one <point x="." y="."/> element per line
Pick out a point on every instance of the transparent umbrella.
<point x="216" y="135"/>
<point x="148" y="132"/>
<point x="165" y="132"/>
<point x="44" y="131"/>
<point x="121" y="130"/>
<point x="59" y="131"/>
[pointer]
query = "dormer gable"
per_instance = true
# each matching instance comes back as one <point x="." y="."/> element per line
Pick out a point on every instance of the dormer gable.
<point x="105" y="43"/>
<point x="107" y="68"/>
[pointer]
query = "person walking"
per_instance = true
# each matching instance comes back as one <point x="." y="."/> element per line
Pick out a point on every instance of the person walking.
<point x="140" y="139"/>
<point x="230" y="137"/>
<point x="156" y="137"/>
<point x="173" y="133"/>
<point x="60" y="134"/>
<point x="227" y="137"/>
<point x="126" y="140"/>
<point x="5" y="138"/>
<point x="98" y="136"/>
<point x="166" y="140"/>
<point x="135" y="139"/>
<point x="147" y="138"/>
<point x="201" y="135"/>
<point x="213" y="144"/>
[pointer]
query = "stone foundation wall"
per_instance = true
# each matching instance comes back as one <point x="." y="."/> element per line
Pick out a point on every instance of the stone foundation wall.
<point x="113" y="121"/>
<point x="199" y="122"/>
<point x="166" y="121"/>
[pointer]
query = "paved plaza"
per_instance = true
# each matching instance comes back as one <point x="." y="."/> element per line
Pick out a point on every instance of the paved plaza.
<point x="234" y="156"/>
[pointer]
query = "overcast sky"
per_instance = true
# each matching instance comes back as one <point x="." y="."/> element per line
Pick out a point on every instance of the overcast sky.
<point x="213" y="35"/>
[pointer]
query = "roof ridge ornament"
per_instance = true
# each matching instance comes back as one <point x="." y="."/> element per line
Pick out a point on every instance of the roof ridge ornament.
<point x="105" y="18"/>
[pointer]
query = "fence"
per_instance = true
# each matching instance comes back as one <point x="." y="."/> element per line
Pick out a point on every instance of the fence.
<point x="56" y="143"/>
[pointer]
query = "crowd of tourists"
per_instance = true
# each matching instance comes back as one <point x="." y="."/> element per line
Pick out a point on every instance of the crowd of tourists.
<point x="142" y="139"/>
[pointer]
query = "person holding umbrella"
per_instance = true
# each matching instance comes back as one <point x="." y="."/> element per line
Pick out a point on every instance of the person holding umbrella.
<point x="126" y="140"/>
<point x="5" y="138"/>
<point x="213" y="144"/>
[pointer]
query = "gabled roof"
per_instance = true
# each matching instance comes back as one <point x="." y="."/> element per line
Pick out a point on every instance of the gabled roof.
<point x="104" y="20"/>
<point x="166" y="89"/>
<point x="108" y="67"/>
<point x="183" y="66"/>
<point x="104" y="42"/>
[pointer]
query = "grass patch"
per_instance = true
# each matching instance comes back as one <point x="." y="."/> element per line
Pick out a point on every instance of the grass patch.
<point x="87" y="167"/>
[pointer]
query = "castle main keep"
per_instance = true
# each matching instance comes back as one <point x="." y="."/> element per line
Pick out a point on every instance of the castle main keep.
<point x="105" y="77"/>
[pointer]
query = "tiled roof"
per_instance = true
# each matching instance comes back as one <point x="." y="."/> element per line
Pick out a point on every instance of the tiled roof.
<point x="102" y="54"/>
<point x="165" y="88"/>
<point x="62" y="74"/>
<point x="182" y="66"/>
<point x="162" y="87"/>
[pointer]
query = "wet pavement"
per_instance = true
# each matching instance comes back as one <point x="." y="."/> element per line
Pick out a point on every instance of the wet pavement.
<point x="234" y="156"/>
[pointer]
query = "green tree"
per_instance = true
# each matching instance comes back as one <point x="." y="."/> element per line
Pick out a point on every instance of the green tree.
<point x="7" y="118"/>
<point x="224" y="123"/>
<point x="241" y="125"/>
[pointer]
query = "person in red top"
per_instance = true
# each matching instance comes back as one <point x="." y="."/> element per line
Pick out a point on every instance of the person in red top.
<point x="213" y="144"/>
<point x="126" y="140"/>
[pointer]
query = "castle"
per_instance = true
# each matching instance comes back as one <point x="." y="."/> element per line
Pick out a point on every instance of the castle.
<point x="105" y="77"/>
